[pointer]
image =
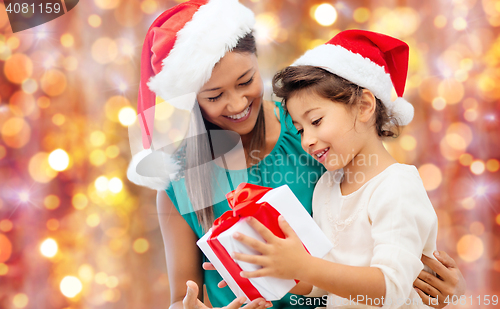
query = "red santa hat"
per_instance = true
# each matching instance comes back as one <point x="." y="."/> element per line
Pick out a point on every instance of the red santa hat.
<point x="371" y="60"/>
<point x="179" y="53"/>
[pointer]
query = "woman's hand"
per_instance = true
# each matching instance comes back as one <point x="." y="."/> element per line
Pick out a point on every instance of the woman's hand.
<point x="280" y="258"/>
<point x="210" y="266"/>
<point x="449" y="281"/>
<point x="191" y="300"/>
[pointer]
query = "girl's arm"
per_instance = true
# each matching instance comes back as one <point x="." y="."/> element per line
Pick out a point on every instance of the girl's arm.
<point x="287" y="259"/>
<point x="302" y="288"/>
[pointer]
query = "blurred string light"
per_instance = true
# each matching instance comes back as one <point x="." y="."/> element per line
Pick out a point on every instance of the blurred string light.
<point x="94" y="20"/>
<point x="127" y="116"/>
<point x="59" y="160"/>
<point x="24" y="197"/>
<point x="101" y="183"/>
<point x="70" y="286"/>
<point x="477" y="167"/>
<point x="266" y="28"/>
<point x="49" y="248"/>
<point x="80" y="201"/>
<point x="86" y="272"/>
<point x="431" y="176"/>
<point x="93" y="220"/>
<point x="6" y="225"/>
<point x="20" y="300"/>
<point x="460" y="24"/>
<point x="5" y="248"/>
<point x="361" y="15"/>
<point x="470" y="248"/>
<point x="325" y="14"/>
<point x="51" y="202"/>
<point x="481" y="190"/>
<point x="115" y="185"/>
<point x="141" y="245"/>
<point x="4" y="269"/>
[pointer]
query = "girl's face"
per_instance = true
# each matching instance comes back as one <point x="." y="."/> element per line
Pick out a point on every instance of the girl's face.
<point x="232" y="98"/>
<point x="326" y="129"/>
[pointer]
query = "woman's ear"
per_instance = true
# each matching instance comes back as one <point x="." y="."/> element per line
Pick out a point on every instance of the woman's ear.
<point x="366" y="106"/>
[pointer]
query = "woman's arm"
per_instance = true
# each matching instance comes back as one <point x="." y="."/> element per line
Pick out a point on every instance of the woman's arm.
<point x="448" y="282"/>
<point x="184" y="260"/>
<point x="182" y="254"/>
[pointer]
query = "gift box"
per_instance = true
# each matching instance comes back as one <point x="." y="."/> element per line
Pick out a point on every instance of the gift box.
<point x="265" y="205"/>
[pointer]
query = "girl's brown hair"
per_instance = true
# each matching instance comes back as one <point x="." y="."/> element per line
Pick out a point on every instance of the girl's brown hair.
<point x="293" y="79"/>
<point x="199" y="177"/>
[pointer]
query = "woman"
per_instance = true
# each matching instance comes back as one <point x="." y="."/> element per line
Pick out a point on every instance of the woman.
<point x="207" y="47"/>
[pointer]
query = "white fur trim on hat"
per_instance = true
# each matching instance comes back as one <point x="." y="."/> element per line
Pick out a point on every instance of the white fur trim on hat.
<point x="353" y="67"/>
<point x="213" y="31"/>
<point x="402" y="110"/>
<point x="360" y="71"/>
<point x="159" y="162"/>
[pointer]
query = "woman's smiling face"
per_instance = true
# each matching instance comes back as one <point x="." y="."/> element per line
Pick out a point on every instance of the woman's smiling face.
<point x="232" y="97"/>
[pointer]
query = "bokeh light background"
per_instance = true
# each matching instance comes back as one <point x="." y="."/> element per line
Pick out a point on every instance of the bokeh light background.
<point x="75" y="233"/>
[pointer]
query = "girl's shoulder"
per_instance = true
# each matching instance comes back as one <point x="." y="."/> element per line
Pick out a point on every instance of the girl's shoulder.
<point x="399" y="174"/>
<point x="400" y="184"/>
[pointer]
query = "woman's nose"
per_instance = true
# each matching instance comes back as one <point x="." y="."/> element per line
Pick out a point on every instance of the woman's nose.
<point x="237" y="103"/>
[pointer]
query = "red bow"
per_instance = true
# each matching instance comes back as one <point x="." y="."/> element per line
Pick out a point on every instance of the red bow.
<point x="243" y="202"/>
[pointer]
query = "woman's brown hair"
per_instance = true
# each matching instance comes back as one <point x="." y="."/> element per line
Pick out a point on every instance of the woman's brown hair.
<point x="293" y="79"/>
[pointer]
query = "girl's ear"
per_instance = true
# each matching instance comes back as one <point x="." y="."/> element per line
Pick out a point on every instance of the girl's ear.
<point x="366" y="106"/>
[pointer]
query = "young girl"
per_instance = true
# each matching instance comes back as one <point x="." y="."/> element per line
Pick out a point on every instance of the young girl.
<point x="374" y="210"/>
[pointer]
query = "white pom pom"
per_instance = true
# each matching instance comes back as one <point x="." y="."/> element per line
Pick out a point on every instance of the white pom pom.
<point x="402" y="110"/>
<point x="158" y="164"/>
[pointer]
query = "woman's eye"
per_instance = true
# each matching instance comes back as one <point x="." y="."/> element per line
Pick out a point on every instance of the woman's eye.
<point x="248" y="82"/>
<point x="215" y="98"/>
<point x="316" y="122"/>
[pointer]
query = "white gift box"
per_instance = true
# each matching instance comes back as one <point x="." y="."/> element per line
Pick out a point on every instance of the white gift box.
<point x="287" y="204"/>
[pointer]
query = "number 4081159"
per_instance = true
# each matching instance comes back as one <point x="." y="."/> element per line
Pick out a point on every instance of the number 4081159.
<point x="470" y="300"/>
<point x="26" y="8"/>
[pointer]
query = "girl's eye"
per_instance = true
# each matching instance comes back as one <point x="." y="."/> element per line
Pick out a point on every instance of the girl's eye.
<point x="300" y="131"/>
<point x="316" y="122"/>
<point x="215" y="98"/>
<point x="248" y="82"/>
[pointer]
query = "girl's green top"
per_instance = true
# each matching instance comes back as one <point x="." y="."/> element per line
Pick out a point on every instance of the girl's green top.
<point x="286" y="164"/>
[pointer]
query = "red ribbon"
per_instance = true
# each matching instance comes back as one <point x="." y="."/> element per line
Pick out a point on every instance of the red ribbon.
<point x="243" y="204"/>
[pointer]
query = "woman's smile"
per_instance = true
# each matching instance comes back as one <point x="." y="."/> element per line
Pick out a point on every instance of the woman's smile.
<point x="244" y="115"/>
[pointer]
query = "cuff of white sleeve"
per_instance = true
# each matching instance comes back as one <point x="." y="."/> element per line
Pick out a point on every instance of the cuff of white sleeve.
<point x="316" y="292"/>
<point x="400" y="268"/>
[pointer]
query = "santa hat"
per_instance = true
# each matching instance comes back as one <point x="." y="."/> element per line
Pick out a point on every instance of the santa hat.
<point x="179" y="53"/>
<point x="371" y="60"/>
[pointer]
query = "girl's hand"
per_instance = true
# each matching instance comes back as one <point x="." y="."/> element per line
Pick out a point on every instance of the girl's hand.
<point x="449" y="281"/>
<point x="191" y="300"/>
<point x="280" y="258"/>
